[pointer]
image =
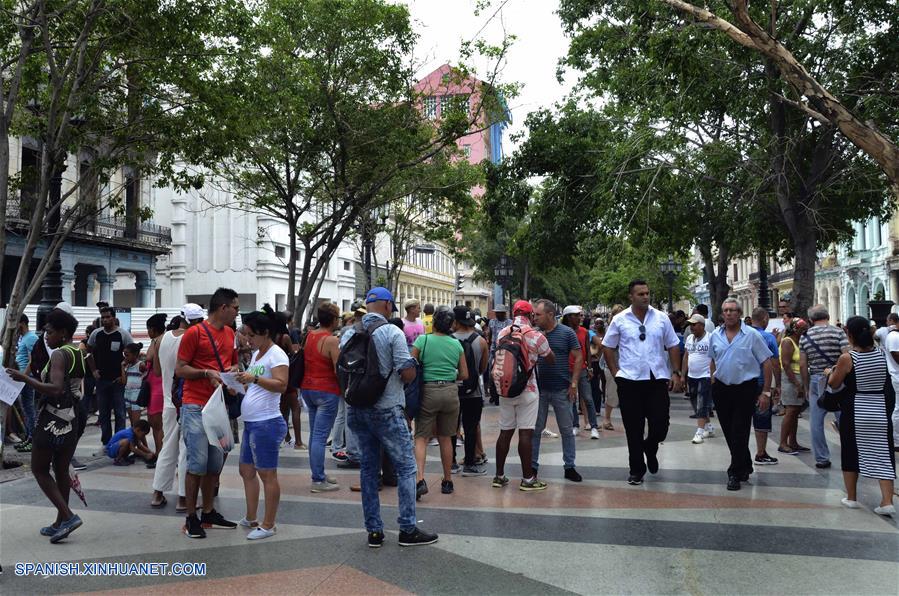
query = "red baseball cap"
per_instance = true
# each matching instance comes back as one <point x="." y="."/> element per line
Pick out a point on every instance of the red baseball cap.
<point x="522" y="307"/>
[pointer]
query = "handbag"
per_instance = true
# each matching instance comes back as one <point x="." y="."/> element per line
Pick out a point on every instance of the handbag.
<point x="143" y="398"/>
<point x="231" y="401"/>
<point x="415" y="389"/>
<point x="831" y="398"/>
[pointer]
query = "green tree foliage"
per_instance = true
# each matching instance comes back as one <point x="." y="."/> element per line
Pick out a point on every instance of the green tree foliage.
<point x="651" y="65"/>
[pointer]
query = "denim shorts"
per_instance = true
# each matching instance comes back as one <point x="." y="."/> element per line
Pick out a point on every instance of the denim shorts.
<point x="202" y="458"/>
<point x="261" y="442"/>
<point x="761" y="419"/>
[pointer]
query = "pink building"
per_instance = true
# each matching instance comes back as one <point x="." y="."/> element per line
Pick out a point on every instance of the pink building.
<point x="441" y="90"/>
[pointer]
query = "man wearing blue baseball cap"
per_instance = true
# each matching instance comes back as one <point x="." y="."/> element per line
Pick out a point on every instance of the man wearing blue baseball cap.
<point x="384" y="424"/>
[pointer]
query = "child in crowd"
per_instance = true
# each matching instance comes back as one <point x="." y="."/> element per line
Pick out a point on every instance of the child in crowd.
<point x="132" y="376"/>
<point x="130" y="441"/>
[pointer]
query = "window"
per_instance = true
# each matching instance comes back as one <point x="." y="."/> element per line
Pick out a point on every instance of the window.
<point x="132" y="205"/>
<point x="346" y="267"/>
<point x="431" y="107"/>
<point x="735" y="272"/>
<point x="456" y="103"/>
<point x="466" y="151"/>
<point x="346" y="305"/>
<point x="280" y="252"/>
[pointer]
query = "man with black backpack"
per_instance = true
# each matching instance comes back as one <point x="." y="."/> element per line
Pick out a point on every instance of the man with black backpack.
<point x="471" y="401"/>
<point x="374" y="364"/>
<point x="513" y="380"/>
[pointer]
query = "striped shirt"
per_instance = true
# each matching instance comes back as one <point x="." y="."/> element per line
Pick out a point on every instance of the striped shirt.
<point x="831" y="340"/>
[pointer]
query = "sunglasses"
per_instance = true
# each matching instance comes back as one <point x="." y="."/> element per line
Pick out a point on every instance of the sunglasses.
<point x="642" y="332"/>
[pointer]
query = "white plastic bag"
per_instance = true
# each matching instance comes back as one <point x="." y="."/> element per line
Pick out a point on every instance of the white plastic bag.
<point x="216" y="422"/>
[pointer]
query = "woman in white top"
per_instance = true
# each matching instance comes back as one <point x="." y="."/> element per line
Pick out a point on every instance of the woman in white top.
<point x="264" y="427"/>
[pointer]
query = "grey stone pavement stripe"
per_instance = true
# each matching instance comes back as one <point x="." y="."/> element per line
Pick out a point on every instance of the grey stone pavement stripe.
<point x="769" y="539"/>
<point x="414" y="569"/>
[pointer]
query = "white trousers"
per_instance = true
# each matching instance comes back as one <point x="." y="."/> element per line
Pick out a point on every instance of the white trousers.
<point x="172" y="455"/>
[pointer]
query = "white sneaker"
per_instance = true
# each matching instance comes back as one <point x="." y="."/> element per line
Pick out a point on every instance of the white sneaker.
<point x="260" y="533"/>
<point x="549" y="434"/>
<point x="885" y="510"/>
<point x="698" y="437"/>
<point x="460" y="442"/>
<point x="574" y="431"/>
<point x="433" y="442"/>
<point x="594" y="433"/>
<point x="849" y="503"/>
<point x="708" y="431"/>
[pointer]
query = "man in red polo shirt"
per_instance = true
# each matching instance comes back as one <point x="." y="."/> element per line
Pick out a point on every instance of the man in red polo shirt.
<point x="199" y="367"/>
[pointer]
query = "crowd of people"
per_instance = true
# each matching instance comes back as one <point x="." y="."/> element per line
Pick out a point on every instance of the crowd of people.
<point x="379" y="389"/>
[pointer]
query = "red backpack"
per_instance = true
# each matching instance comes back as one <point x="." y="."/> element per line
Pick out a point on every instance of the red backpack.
<point x="511" y="364"/>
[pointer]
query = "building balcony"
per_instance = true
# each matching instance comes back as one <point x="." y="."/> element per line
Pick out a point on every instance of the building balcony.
<point x="117" y="231"/>
<point x="773" y="278"/>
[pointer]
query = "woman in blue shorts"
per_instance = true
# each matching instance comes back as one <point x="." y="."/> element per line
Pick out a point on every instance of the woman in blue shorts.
<point x="264" y="427"/>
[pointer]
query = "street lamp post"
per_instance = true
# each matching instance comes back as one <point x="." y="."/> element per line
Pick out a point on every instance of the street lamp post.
<point x="670" y="269"/>
<point x="503" y="272"/>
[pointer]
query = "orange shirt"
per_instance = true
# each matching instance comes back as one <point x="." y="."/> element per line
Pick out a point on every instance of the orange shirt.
<point x="581" y="339"/>
<point x="197" y="351"/>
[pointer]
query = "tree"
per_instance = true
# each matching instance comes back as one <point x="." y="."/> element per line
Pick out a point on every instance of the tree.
<point x="102" y="79"/>
<point x="336" y="123"/>
<point x="807" y="179"/>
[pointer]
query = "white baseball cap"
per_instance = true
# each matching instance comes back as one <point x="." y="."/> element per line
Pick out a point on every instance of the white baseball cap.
<point x="573" y="309"/>
<point x="192" y="312"/>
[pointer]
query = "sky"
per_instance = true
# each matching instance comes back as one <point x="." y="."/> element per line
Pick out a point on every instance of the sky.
<point x="442" y="25"/>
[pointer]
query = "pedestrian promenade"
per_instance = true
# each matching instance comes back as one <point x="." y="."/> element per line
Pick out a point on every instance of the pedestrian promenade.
<point x="681" y="532"/>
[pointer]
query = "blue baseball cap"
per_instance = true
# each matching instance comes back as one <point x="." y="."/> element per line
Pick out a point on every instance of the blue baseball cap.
<point x="376" y="294"/>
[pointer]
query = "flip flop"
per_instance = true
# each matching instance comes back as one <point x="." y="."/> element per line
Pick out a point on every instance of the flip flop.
<point x="160" y="504"/>
<point x="180" y="509"/>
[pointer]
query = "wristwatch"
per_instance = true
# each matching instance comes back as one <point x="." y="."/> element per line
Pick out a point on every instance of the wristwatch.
<point x="255" y="379"/>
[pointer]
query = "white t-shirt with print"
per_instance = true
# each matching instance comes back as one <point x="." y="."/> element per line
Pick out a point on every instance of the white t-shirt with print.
<point x="891" y="344"/>
<point x="260" y="404"/>
<point x="698" y="357"/>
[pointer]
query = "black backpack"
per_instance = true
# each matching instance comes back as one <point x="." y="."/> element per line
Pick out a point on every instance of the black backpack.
<point x="469" y="386"/>
<point x="358" y="368"/>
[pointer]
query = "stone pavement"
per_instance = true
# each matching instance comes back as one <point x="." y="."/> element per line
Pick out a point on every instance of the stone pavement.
<point x="680" y="532"/>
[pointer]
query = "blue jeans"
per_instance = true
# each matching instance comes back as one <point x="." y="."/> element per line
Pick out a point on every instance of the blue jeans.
<point x="342" y="438"/>
<point x="562" y="407"/>
<point x="585" y="394"/>
<point x="701" y="390"/>
<point x="27" y="399"/>
<point x="816" y="424"/>
<point x="376" y="428"/>
<point x="110" y="398"/>
<point x="322" y="409"/>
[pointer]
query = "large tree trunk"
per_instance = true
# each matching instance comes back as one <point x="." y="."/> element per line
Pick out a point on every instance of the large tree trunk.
<point x="292" y="272"/>
<point x="806" y="254"/>
<point x="715" y="266"/>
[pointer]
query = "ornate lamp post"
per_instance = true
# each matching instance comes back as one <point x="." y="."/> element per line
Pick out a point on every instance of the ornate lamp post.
<point x="670" y="270"/>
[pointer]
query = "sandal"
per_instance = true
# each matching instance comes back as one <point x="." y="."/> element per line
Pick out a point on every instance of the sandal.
<point x="607" y="426"/>
<point x="160" y="504"/>
<point x="23" y="447"/>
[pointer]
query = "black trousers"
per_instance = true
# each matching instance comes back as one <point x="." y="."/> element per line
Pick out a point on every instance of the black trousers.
<point x="470" y="410"/>
<point x="735" y="405"/>
<point x="643" y="403"/>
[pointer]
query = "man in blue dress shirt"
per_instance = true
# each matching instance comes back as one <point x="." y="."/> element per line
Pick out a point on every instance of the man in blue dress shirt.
<point x="737" y="351"/>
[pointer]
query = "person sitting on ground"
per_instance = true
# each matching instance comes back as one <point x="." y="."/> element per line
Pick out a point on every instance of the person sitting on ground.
<point x="130" y="441"/>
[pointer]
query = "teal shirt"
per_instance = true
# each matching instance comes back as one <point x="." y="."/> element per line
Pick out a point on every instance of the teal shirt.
<point x="439" y="356"/>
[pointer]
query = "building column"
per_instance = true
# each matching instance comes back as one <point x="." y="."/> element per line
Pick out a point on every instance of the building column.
<point x="146" y="291"/>
<point x="106" y="284"/>
<point x="67" y="279"/>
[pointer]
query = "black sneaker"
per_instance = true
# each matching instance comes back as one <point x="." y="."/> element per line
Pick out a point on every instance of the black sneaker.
<point x="733" y="483"/>
<point x="214" y="519"/>
<point x="652" y="464"/>
<point x="634" y="480"/>
<point x="416" y="538"/>
<point x="765" y="460"/>
<point x="375" y="539"/>
<point x="421" y="489"/>
<point x="193" y="528"/>
<point x="823" y="465"/>
<point x="77" y="465"/>
<point x="572" y="474"/>
<point x="446" y="487"/>
<point x="349" y="464"/>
